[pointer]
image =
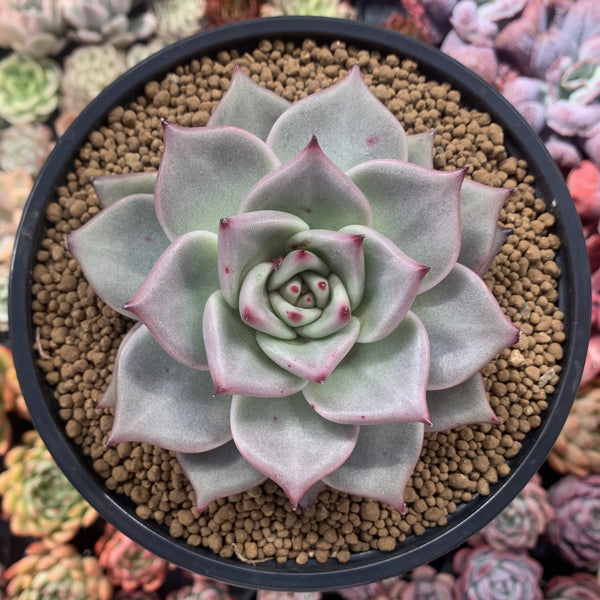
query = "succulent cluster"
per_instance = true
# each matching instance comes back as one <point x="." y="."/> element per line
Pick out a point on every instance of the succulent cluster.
<point x="274" y="296"/>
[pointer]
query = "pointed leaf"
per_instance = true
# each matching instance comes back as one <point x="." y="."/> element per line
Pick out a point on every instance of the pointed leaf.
<point x="311" y="187"/>
<point x="418" y="209"/>
<point x="171" y="300"/>
<point x="294" y="263"/>
<point x="285" y="439"/>
<point x="217" y="473"/>
<point x="248" y="106"/>
<point x="501" y="236"/>
<point x="110" y="188"/>
<point x="420" y="148"/>
<point x="205" y="173"/>
<point x="310" y="359"/>
<point x="350" y="123"/>
<point x="480" y="207"/>
<point x="465" y="325"/>
<point x="154" y="388"/>
<point x="343" y="254"/>
<point x="236" y="362"/>
<point x="380" y="382"/>
<point x="464" y="404"/>
<point x="383" y="460"/>
<point x="248" y="239"/>
<point x="392" y="281"/>
<point x="118" y="247"/>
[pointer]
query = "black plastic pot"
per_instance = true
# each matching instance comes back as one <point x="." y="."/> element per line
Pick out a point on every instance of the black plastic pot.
<point x="574" y="291"/>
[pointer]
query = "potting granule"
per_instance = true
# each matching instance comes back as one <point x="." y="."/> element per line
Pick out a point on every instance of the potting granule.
<point x="78" y="335"/>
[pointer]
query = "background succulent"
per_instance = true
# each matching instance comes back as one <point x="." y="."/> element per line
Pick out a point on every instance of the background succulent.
<point x="176" y="19"/>
<point x="25" y="147"/>
<point x="321" y="8"/>
<point x="202" y="588"/>
<point x="28" y="88"/>
<point x="14" y="190"/>
<point x="56" y="572"/>
<point x="579" y="586"/>
<point x="37" y="498"/>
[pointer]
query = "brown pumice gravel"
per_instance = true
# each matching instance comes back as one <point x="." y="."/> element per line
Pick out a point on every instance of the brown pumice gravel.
<point x="79" y="335"/>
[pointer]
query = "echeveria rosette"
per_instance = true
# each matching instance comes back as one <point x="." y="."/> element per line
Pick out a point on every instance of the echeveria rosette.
<point x="309" y="300"/>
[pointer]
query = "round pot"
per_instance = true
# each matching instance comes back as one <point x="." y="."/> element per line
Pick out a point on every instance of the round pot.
<point x="574" y="301"/>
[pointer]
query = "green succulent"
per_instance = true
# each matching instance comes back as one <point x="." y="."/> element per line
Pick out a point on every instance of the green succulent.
<point x="28" y="88"/>
<point x="176" y="19"/>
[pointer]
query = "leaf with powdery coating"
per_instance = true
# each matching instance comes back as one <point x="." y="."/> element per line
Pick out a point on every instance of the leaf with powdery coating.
<point x="392" y="281"/>
<point x="418" y="209"/>
<point x="248" y="106"/>
<point x="464" y="404"/>
<point x="313" y="188"/>
<point x="391" y="373"/>
<point x="204" y="174"/>
<point x="500" y="237"/>
<point x="382" y="462"/>
<point x="236" y="362"/>
<point x="217" y="473"/>
<point x="285" y="439"/>
<point x="118" y="248"/>
<point x="247" y="239"/>
<point x="420" y="148"/>
<point x="465" y="325"/>
<point x="349" y="132"/>
<point x="110" y="188"/>
<point x="153" y="386"/>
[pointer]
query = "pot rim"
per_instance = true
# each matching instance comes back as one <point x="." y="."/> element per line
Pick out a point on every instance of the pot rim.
<point x="365" y="567"/>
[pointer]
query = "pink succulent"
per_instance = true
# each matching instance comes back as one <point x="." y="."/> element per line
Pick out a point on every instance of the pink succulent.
<point x="431" y="17"/>
<point x="488" y="574"/>
<point x="579" y="586"/>
<point x="202" y="588"/>
<point x="428" y="584"/>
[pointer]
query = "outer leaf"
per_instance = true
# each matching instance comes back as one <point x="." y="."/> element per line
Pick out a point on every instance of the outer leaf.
<point x="171" y="300"/>
<point x="110" y="188"/>
<point x="248" y="106"/>
<point x="310" y="359"/>
<point x="118" y="247"/>
<point x="350" y="123"/>
<point x="289" y="442"/>
<point x="218" y="473"/>
<point x="378" y="383"/>
<point x="480" y="207"/>
<point x="420" y="148"/>
<point x="248" y="239"/>
<point x="311" y="187"/>
<point x="464" y="404"/>
<point x="152" y="387"/>
<point x="382" y="462"/>
<point x="465" y="325"/>
<point x="343" y="254"/>
<point x="502" y="234"/>
<point x="236" y="362"/>
<point x="392" y="281"/>
<point x="204" y="174"/>
<point x="418" y="209"/>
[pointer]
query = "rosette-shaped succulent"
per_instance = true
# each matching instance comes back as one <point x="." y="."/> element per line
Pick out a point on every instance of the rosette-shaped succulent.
<point x="309" y="305"/>
<point x="127" y="564"/>
<point x="107" y="22"/>
<point x="221" y="12"/>
<point x="14" y="190"/>
<point x="47" y="572"/>
<point x="579" y="586"/>
<point x="488" y="574"/>
<point x="32" y="27"/>
<point x="25" y="147"/>
<point x="177" y="19"/>
<point x="575" y="530"/>
<point x="38" y="499"/>
<point x="201" y="589"/>
<point x="28" y="88"/>
<point x="322" y="8"/>
<point x="520" y="524"/>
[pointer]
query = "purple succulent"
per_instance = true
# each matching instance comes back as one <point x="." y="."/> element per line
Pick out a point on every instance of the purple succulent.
<point x="283" y="331"/>
<point x="579" y="586"/>
<point x="431" y="17"/>
<point x="488" y="574"/>
<point x="576" y="529"/>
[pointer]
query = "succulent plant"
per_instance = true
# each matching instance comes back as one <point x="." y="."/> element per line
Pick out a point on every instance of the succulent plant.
<point x="575" y="530"/>
<point x="4" y="277"/>
<point x="127" y="564"/>
<point x="5" y="424"/>
<point x="579" y="586"/>
<point x="273" y="595"/>
<point x="488" y="574"/>
<point x="221" y="12"/>
<point x="139" y="52"/>
<point x="25" y="147"/>
<point x="11" y="391"/>
<point x="520" y="524"/>
<point x="52" y="572"/>
<point x="28" y="88"/>
<point x="432" y="17"/>
<point x="177" y="19"/>
<point x="273" y="297"/>
<point x="14" y="190"/>
<point x="426" y="583"/>
<point x="32" y="27"/>
<point x="38" y="498"/>
<point x="88" y="70"/>
<point x="107" y="22"/>
<point x="322" y="8"/>
<point x="136" y="595"/>
<point x="202" y="588"/>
